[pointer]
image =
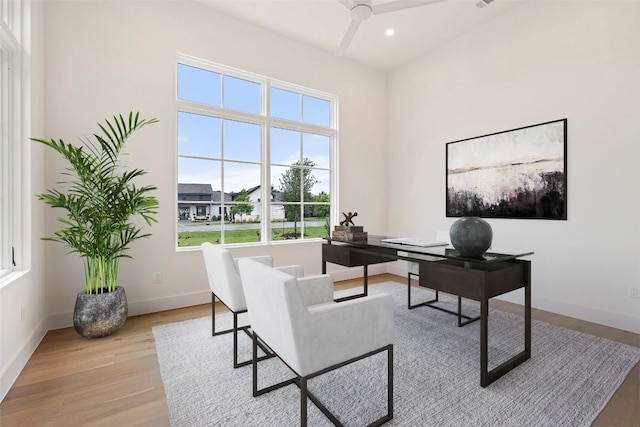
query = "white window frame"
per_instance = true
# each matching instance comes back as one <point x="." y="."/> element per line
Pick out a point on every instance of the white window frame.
<point x="15" y="152"/>
<point x="265" y="120"/>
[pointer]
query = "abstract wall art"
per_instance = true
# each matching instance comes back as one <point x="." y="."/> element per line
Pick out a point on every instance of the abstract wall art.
<point x="518" y="173"/>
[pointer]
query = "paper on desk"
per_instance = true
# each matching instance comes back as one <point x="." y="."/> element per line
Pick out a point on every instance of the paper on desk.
<point x="414" y="241"/>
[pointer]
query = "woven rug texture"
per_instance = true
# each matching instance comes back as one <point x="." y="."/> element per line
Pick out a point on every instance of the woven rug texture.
<point x="567" y="382"/>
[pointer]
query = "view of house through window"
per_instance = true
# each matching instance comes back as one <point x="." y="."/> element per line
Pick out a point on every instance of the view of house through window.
<point x="255" y="157"/>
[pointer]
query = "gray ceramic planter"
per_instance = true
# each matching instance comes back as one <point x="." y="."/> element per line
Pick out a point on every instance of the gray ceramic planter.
<point x="97" y="316"/>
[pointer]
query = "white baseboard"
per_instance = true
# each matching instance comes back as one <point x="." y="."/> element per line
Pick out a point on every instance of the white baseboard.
<point x="169" y="303"/>
<point x="10" y="373"/>
<point x="583" y="312"/>
<point x="65" y="320"/>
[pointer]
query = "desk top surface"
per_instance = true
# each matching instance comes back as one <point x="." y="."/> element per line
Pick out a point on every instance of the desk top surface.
<point x="492" y="255"/>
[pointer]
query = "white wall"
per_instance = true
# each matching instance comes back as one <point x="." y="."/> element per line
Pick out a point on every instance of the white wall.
<point x="539" y="62"/>
<point x="106" y="57"/>
<point x="19" y="336"/>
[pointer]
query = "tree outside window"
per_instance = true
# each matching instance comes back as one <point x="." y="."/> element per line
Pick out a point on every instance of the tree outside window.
<point x="243" y="205"/>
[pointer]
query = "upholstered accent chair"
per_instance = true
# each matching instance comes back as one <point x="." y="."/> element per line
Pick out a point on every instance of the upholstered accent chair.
<point x="226" y="285"/>
<point x="413" y="270"/>
<point x="299" y="321"/>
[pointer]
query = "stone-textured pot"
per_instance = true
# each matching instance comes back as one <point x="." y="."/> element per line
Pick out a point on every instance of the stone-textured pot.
<point x="97" y="316"/>
<point x="471" y="236"/>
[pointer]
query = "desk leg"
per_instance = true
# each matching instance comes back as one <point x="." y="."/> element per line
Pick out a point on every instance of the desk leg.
<point x="365" y="290"/>
<point x="484" y="340"/>
<point x="486" y="376"/>
<point x="527" y="309"/>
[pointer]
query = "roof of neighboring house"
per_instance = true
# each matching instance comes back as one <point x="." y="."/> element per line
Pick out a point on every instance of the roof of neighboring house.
<point x="275" y="194"/>
<point x="189" y="192"/>
<point x="194" y="189"/>
<point x="252" y="189"/>
<point x="216" y="196"/>
<point x="234" y="194"/>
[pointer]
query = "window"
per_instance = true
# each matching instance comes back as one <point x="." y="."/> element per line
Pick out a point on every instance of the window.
<point x="256" y="157"/>
<point x="12" y="146"/>
<point x="13" y="150"/>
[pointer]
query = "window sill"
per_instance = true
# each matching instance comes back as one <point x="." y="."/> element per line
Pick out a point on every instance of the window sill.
<point x="11" y="277"/>
<point x="256" y="244"/>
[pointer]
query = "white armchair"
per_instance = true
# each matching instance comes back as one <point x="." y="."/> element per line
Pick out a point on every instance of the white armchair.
<point x="299" y="321"/>
<point x="226" y="285"/>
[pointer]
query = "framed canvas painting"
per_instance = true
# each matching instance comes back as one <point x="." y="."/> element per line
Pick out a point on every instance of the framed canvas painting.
<point x="517" y="173"/>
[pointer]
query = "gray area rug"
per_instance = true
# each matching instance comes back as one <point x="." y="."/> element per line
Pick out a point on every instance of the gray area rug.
<point x="567" y="382"/>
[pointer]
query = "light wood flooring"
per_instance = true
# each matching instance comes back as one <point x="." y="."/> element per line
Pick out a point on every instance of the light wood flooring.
<point x="115" y="381"/>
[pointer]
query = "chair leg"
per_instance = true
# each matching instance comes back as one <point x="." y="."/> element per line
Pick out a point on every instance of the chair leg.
<point x="235" y="330"/>
<point x="213" y="318"/>
<point x="303" y="402"/>
<point x="236" y="364"/>
<point x="389" y="383"/>
<point x="306" y="395"/>
<point x="235" y="341"/>
<point x="254" y="362"/>
<point x="213" y="314"/>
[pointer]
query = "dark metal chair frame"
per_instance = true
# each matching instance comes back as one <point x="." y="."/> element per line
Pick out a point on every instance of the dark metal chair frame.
<point x="301" y="382"/>
<point x="435" y="300"/>
<point x="235" y="329"/>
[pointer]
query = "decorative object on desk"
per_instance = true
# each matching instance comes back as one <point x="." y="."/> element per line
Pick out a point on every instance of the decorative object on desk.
<point x="471" y="236"/>
<point x="348" y="218"/>
<point x="349" y="233"/>
<point x="518" y="173"/>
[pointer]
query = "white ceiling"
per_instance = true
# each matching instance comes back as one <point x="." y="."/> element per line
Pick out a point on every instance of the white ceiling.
<point x="323" y="23"/>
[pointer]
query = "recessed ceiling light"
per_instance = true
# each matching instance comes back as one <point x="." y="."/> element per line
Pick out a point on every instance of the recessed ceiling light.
<point x="390" y="32"/>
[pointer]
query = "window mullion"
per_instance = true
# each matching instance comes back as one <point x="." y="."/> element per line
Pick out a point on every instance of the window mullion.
<point x="217" y="112"/>
<point x="222" y="185"/>
<point x="301" y="127"/>
<point x="265" y="155"/>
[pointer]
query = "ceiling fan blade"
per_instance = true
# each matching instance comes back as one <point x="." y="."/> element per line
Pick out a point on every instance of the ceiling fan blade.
<point x="348" y="37"/>
<point x="346" y="3"/>
<point x="400" y="5"/>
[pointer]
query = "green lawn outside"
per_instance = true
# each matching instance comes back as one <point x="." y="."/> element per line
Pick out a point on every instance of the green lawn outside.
<point x="196" y="238"/>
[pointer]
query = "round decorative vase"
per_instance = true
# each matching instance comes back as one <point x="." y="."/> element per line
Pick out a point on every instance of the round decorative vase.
<point x="471" y="236"/>
<point x="100" y="315"/>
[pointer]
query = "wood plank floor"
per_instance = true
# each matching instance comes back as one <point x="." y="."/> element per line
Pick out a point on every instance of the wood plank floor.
<point x="115" y="381"/>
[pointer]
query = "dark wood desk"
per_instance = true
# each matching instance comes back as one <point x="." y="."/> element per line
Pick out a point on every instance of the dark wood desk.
<point x="495" y="273"/>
